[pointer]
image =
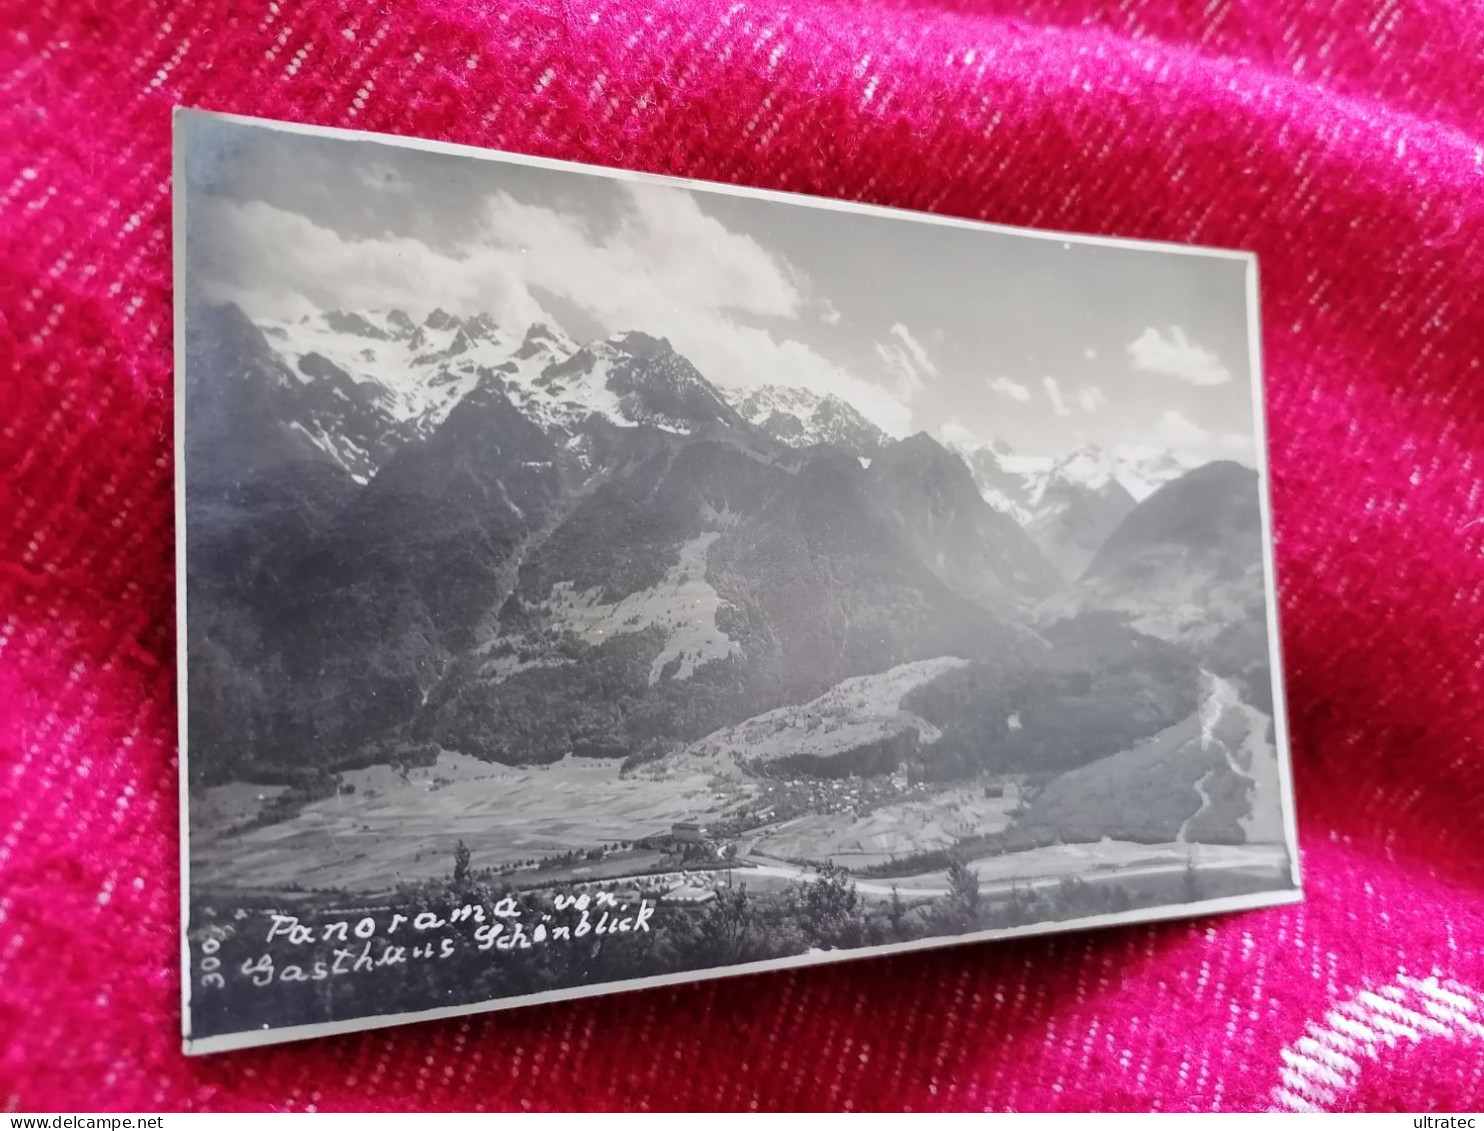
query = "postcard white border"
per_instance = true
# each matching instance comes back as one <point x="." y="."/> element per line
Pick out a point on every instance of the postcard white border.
<point x="178" y="270"/>
<point x="259" y="1037"/>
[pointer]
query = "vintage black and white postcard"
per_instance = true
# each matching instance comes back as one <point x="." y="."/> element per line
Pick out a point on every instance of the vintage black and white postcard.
<point x="593" y="580"/>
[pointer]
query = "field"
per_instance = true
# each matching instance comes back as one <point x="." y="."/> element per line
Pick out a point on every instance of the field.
<point x="216" y="811"/>
<point x="395" y="828"/>
<point x="1189" y="787"/>
<point x="935" y="821"/>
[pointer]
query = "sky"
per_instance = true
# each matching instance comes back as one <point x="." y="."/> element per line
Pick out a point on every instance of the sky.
<point x="971" y="334"/>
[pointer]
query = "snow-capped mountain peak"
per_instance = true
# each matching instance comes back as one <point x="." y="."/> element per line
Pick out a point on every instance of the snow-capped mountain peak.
<point x="541" y="338"/>
<point x="801" y="418"/>
<point x="1026" y="480"/>
<point x="1145" y="469"/>
<point x="409" y="376"/>
<point x="356" y="325"/>
<point x="415" y="373"/>
<point x="440" y="319"/>
<point x="1069" y="504"/>
<point x="631" y="379"/>
<point x="381" y="379"/>
<point x="1088" y="467"/>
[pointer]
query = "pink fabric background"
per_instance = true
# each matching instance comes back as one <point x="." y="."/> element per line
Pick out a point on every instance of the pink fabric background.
<point x="1341" y="141"/>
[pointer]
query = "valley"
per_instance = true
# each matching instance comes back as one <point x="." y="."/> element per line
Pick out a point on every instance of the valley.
<point x="594" y="821"/>
<point x="598" y="621"/>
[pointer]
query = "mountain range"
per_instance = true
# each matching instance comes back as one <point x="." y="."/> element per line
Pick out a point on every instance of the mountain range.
<point x="801" y="418"/>
<point x="508" y="543"/>
<point x="371" y="381"/>
<point x="1071" y="504"/>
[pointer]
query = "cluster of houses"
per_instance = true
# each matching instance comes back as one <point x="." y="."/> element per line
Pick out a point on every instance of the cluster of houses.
<point x="682" y="835"/>
<point x="685" y="838"/>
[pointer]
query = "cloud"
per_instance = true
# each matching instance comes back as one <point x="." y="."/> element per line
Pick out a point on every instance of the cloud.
<point x="919" y="355"/>
<point x="278" y="264"/>
<point x="1090" y="354"/>
<point x="1179" y="433"/>
<point x="665" y="266"/>
<point x="1053" y="394"/>
<point x="1091" y="398"/>
<point x="830" y="316"/>
<point x="1172" y="354"/>
<point x="1012" y="389"/>
<point x="956" y="433"/>
<point x="906" y="362"/>
<point x="665" y="259"/>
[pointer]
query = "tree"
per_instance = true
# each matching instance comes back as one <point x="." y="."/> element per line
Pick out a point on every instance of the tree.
<point x="461" y="857"/>
<point x="1025" y="906"/>
<point x="963" y="890"/>
<point x="1191" y="882"/>
<point x="896" y="913"/>
<point x="726" y="929"/>
<point x="831" y="906"/>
